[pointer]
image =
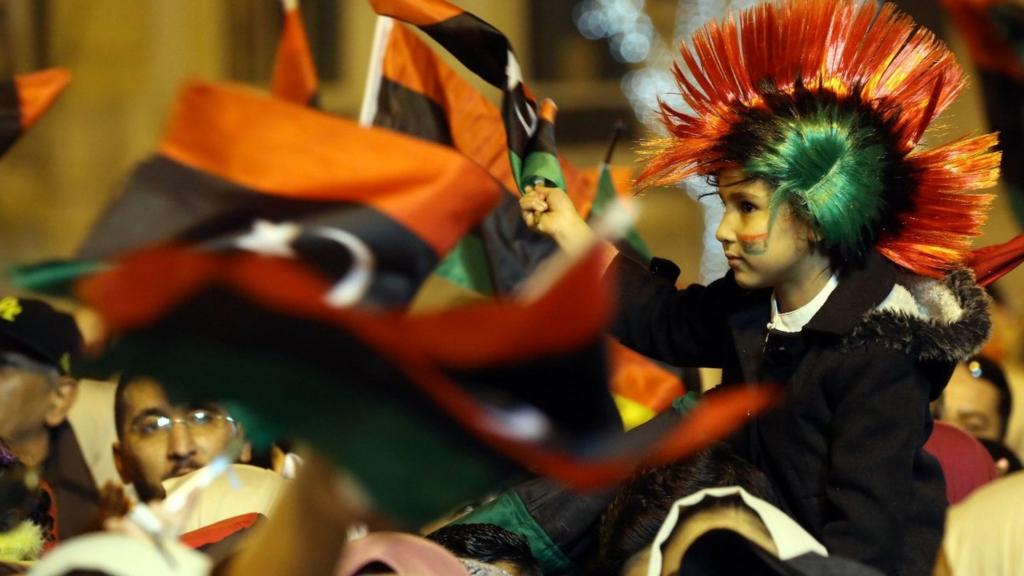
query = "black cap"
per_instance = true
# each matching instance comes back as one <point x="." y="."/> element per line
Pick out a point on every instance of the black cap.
<point x="33" y="328"/>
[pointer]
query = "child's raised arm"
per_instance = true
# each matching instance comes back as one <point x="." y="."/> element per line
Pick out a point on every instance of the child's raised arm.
<point x="550" y="211"/>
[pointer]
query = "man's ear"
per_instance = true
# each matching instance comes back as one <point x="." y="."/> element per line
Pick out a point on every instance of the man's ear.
<point x="62" y="397"/>
<point x="246" y="456"/>
<point x="122" y="469"/>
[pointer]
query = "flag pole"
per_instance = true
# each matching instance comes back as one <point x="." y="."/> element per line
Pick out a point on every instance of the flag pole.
<point x="374" y="72"/>
<point x="618" y="131"/>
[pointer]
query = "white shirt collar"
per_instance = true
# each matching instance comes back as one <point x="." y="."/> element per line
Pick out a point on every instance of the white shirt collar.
<point x="795" y="320"/>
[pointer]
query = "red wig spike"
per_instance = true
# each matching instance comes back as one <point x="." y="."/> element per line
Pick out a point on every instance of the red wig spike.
<point x="936" y="236"/>
<point x="854" y="56"/>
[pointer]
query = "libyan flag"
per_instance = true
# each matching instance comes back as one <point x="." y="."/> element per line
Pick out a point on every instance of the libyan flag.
<point x="419" y="95"/>
<point x="485" y="51"/>
<point x="501" y="254"/>
<point x="372" y="210"/>
<point x="25" y="98"/>
<point x="427" y="411"/>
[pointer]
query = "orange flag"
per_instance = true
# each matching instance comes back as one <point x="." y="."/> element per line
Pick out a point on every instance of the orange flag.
<point x="295" y="77"/>
<point x="25" y="98"/>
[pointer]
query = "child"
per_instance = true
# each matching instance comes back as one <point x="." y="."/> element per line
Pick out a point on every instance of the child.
<point x="845" y="243"/>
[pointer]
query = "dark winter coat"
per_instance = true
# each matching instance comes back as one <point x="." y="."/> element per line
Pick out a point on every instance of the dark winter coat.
<point x="844" y="449"/>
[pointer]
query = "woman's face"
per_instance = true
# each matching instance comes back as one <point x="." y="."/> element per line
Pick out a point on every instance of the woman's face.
<point x="762" y="252"/>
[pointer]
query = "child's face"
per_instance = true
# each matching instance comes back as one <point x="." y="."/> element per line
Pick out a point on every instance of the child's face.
<point x="760" y="255"/>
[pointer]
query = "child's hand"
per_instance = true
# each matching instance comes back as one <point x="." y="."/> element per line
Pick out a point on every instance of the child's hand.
<point x="549" y="210"/>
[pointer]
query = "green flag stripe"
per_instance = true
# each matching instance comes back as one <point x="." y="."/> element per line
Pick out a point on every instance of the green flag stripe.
<point x="541" y="165"/>
<point x="509" y="512"/>
<point x="54" y="278"/>
<point x="606" y="197"/>
<point x="466" y="265"/>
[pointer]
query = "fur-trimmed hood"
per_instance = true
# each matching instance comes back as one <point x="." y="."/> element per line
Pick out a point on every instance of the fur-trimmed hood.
<point x="930" y="320"/>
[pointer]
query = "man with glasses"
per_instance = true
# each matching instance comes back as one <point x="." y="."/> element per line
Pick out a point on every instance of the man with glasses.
<point x="158" y="440"/>
<point x="36" y="392"/>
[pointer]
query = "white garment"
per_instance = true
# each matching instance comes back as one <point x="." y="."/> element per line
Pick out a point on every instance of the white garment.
<point x="795" y="320"/>
<point x="122" y="555"/>
<point x="984" y="532"/>
<point x="790" y="539"/>
<point x="243" y="489"/>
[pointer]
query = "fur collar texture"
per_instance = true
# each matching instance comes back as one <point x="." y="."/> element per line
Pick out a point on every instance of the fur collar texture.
<point x="931" y="320"/>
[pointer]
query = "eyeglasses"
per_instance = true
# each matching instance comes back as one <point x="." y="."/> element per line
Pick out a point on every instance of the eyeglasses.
<point x="198" y="421"/>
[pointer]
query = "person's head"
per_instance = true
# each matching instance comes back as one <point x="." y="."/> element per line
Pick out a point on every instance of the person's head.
<point x="158" y="440"/>
<point x="489" y="544"/>
<point x="977" y="399"/>
<point x="831" y="122"/>
<point x="397" y="553"/>
<point x="36" y="391"/>
<point x="636" y="513"/>
<point x="694" y="540"/>
<point x="767" y="246"/>
<point x="1007" y="462"/>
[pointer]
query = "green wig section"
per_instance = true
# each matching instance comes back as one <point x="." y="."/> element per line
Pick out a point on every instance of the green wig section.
<point x="829" y="168"/>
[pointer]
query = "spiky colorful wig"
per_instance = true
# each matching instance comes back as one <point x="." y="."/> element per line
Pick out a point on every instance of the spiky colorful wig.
<point x="827" y="100"/>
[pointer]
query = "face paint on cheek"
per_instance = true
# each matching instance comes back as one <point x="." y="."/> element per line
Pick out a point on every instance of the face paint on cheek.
<point x="754" y="244"/>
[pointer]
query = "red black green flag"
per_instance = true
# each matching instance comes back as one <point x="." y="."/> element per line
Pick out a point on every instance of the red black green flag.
<point x="25" y="98"/>
<point x="418" y="94"/>
<point x="371" y="209"/>
<point x="607" y="198"/>
<point x="295" y="76"/>
<point x="487" y="53"/>
<point x="426" y="410"/>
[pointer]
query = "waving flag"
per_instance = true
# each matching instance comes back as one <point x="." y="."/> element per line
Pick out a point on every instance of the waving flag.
<point x="457" y="401"/>
<point x="607" y="198"/>
<point x="25" y="98"/>
<point x="488" y="54"/>
<point x="295" y="77"/>
<point x="418" y="94"/>
<point x="369" y="208"/>
<point x="421" y="96"/>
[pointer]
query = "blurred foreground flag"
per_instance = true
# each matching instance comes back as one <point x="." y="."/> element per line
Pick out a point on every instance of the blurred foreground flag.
<point x="295" y="76"/>
<point x="427" y="411"/>
<point x="370" y="209"/>
<point x="25" y="98"/>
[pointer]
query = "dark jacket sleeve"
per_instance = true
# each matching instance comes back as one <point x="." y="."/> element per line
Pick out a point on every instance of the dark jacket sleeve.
<point x="682" y="327"/>
<point x="879" y="425"/>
